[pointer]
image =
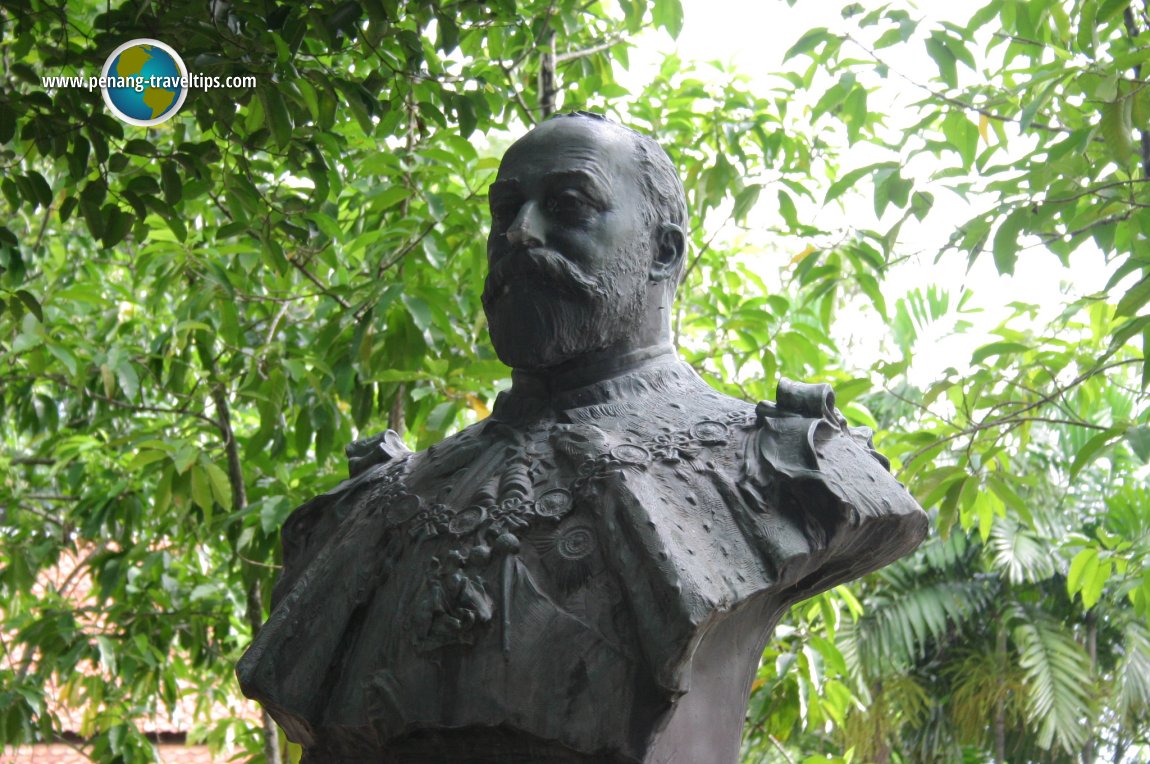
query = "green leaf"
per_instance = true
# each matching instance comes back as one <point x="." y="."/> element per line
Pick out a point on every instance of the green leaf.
<point x="201" y="488"/>
<point x="848" y="181"/>
<point x="7" y="124"/>
<point x="1093" y="448"/>
<point x="997" y="348"/>
<point x="1010" y="497"/>
<point x="668" y="14"/>
<point x="64" y="356"/>
<point x="31" y="304"/>
<point x="326" y="224"/>
<point x="220" y="485"/>
<point x="1006" y="241"/>
<point x="944" y="58"/>
<point x="273" y="512"/>
<point x="254" y="116"/>
<point x="184" y="457"/>
<point x="389" y="197"/>
<point x="1139" y="439"/>
<point x="278" y="117"/>
<point x="1146" y="357"/>
<point x="1094" y="581"/>
<point x="116" y="225"/>
<point x="1116" y="127"/>
<point x="1088" y="26"/>
<point x="129" y="380"/>
<point x="170" y="182"/>
<point x="11" y="193"/>
<point x="807" y="43"/>
<point x="1137" y="296"/>
<point x="146" y="456"/>
<point x="41" y="190"/>
<point x="984" y="511"/>
<point x="745" y="200"/>
<point x="1036" y="104"/>
<point x="139" y="147"/>
<point x="787" y="210"/>
<point x="1081" y="569"/>
<point x="67" y="207"/>
<point x="420" y="312"/>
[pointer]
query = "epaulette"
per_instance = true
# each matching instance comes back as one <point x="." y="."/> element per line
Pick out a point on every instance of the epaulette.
<point x="378" y="449"/>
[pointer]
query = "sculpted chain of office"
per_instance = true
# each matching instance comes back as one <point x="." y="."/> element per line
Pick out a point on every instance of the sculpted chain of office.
<point x="590" y="574"/>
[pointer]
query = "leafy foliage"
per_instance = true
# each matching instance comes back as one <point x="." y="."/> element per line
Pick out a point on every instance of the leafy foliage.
<point x="198" y="316"/>
<point x="1003" y="639"/>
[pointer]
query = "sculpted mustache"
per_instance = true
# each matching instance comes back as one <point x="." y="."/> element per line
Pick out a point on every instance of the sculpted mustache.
<point x="541" y="266"/>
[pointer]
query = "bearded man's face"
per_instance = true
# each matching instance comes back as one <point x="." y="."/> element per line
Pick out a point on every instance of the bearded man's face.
<point x="569" y="251"/>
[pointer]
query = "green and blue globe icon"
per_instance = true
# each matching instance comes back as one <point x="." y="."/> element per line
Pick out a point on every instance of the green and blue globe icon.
<point x="155" y="82"/>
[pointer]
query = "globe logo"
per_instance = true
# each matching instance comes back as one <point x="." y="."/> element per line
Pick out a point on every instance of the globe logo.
<point x="147" y="82"/>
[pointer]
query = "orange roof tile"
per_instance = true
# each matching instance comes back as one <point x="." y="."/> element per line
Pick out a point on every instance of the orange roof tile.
<point x="62" y="753"/>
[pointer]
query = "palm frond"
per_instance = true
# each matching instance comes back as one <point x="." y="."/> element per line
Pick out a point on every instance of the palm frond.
<point x="899" y="630"/>
<point x="945" y="554"/>
<point x="979" y="683"/>
<point x="1019" y="553"/>
<point x="1133" y="671"/>
<point x="1060" y="688"/>
<point x="898" y="700"/>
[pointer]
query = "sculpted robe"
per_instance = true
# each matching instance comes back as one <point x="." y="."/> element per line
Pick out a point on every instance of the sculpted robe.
<point x="586" y="576"/>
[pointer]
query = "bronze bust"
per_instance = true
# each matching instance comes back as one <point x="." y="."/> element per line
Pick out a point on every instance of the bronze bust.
<point x="590" y="574"/>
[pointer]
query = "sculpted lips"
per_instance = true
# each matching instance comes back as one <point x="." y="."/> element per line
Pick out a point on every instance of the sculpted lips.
<point x="537" y="266"/>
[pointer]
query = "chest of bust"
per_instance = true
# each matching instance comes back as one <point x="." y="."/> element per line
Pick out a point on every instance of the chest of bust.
<point x="520" y="564"/>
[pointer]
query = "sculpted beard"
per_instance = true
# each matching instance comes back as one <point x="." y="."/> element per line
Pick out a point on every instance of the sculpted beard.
<point x="543" y="310"/>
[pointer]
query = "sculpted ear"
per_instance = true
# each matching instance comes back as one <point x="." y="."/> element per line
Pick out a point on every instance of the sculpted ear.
<point x="670" y="245"/>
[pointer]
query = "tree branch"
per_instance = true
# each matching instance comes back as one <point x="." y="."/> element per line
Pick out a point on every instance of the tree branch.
<point x="150" y="409"/>
<point x="1016" y="418"/>
<point x="324" y="289"/>
<point x="1132" y="31"/>
<point x="1095" y="189"/>
<point x="779" y="747"/>
<point x="254" y="609"/>
<point x="955" y="101"/>
<point x="224" y="426"/>
<point x="562" y="58"/>
<point x="519" y="100"/>
<point x="34" y="460"/>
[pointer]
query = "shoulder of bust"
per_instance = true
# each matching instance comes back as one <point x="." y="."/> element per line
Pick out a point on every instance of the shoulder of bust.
<point x="808" y="411"/>
<point x="805" y="450"/>
<point x="849" y="513"/>
<point x="378" y="449"/>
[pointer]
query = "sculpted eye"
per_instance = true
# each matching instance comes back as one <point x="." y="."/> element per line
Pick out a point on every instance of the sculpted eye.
<point x="569" y="205"/>
<point x="504" y="211"/>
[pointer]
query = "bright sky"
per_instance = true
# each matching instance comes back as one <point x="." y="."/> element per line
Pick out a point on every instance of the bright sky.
<point x="753" y="35"/>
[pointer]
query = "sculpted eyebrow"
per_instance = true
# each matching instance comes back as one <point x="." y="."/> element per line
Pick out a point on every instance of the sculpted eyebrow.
<point x="586" y="181"/>
<point x="503" y="187"/>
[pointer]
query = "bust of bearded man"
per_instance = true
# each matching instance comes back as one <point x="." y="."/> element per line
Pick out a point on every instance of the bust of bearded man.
<point x="591" y="573"/>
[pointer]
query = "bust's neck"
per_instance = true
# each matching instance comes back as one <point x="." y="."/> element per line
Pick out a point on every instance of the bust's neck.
<point x="587" y="369"/>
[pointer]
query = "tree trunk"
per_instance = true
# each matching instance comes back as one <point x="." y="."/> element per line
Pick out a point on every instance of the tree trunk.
<point x="254" y="608"/>
<point x="1092" y="651"/>
<point x="271" y="733"/>
<point x="1000" y="701"/>
<point x="396" y="418"/>
<point x="547" y="78"/>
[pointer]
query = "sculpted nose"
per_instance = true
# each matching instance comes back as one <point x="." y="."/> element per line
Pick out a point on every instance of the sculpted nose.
<point x="527" y="229"/>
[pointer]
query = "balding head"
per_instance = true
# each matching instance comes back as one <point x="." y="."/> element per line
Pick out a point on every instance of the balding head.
<point x="586" y="242"/>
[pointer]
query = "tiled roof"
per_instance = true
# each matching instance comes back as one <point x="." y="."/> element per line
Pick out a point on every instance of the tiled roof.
<point x="162" y="725"/>
<point x="62" y="753"/>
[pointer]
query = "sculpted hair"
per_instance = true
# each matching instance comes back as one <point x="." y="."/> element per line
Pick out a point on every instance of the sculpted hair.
<point x="666" y="199"/>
